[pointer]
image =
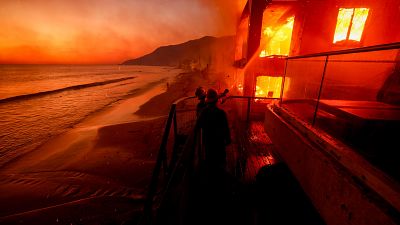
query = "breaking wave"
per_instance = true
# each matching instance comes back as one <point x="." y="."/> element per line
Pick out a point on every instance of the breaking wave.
<point x="74" y="87"/>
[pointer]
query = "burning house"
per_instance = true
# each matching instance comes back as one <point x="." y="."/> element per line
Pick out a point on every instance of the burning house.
<point x="334" y="66"/>
<point x="270" y="31"/>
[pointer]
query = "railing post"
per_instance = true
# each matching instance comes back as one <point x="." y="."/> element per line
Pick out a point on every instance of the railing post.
<point x="175" y="126"/>
<point x="161" y="161"/>
<point x="283" y="81"/>
<point x="320" y="90"/>
<point x="200" y="145"/>
<point x="166" y="136"/>
<point x="174" y="155"/>
<point x="248" y="110"/>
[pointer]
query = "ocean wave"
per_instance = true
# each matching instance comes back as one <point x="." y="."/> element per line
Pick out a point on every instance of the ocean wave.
<point x="74" y="87"/>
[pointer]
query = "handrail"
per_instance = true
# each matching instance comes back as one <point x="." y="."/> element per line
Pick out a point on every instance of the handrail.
<point x="183" y="99"/>
<point x="249" y="97"/>
<point x="350" y="51"/>
<point x="161" y="160"/>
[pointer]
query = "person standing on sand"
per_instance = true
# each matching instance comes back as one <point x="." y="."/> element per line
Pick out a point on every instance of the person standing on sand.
<point x="216" y="134"/>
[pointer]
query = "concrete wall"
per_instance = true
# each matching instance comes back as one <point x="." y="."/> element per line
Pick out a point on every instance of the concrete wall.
<point x="340" y="196"/>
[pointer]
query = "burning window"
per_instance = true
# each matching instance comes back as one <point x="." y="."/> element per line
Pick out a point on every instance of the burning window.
<point x="268" y="86"/>
<point x="276" y="32"/>
<point x="276" y="38"/>
<point x="350" y="24"/>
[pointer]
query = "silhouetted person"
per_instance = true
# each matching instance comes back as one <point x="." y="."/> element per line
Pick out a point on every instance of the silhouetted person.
<point x="213" y="198"/>
<point x="201" y="96"/>
<point x="216" y="135"/>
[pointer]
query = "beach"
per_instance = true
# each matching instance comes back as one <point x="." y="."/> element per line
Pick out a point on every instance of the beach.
<point x="96" y="171"/>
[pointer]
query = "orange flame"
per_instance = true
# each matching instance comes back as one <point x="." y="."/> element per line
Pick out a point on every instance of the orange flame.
<point x="277" y="39"/>
<point x="350" y="24"/>
<point x="267" y="86"/>
<point x="360" y="16"/>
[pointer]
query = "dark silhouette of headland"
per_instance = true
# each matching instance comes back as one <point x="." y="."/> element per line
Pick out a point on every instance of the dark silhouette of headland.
<point x="194" y="53"/>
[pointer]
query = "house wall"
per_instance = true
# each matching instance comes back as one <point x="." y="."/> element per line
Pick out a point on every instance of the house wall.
<point x="319" y="23"/>
<point x="315" y="23"/>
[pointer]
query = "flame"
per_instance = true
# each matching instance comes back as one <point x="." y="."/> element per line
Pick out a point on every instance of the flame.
<point x="277" y="39"/>
<point x="263" y="53"/>
<point x="342" y="24"/>
<point x="240" y="87"/>
<point x="359" y="18"/>
<point x="350" y="19"/>
<point x="267" y="86"/>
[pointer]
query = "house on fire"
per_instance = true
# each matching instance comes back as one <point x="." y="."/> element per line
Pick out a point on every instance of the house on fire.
<point x="334" y="66"/>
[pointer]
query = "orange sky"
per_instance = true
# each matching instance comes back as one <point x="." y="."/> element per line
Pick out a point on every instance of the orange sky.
<point x="105" y="31"/>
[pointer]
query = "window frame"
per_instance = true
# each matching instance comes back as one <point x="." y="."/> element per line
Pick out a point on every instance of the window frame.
<point x="255" y="85"/>
<point x="347" y="41"/>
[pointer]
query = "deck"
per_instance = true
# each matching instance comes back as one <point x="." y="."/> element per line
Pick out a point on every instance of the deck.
<point x="255" y="188"/>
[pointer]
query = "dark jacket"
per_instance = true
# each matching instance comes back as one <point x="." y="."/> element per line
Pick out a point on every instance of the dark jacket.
<point x="200" y="106"/>
<point x="216" y="135"/>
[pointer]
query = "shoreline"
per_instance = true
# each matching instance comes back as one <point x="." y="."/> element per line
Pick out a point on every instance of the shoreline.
<point x="10" y="157"/>
<point x="100" y="158"/>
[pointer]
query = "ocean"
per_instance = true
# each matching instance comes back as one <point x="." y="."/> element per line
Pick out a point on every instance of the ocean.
<point x="38" y="102"/>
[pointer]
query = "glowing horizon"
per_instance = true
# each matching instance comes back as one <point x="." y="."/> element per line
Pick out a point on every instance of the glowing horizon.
<point x="104" y="31"/>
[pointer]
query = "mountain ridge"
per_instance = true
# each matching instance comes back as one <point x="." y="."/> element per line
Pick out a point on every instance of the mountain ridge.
<point x="197" y="51"/>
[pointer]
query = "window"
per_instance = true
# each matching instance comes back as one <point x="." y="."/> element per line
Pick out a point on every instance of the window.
<point x="276" y="31"/>
<point x="350" y="24"/>
<point x="268" y="86"/>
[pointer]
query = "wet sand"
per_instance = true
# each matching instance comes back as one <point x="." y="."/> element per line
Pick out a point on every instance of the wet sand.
<point x="98" y="170"/>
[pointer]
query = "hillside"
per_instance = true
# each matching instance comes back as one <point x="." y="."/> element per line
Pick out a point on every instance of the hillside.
<point x="195" y="53"/>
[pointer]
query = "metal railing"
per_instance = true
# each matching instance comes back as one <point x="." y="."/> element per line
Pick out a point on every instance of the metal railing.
<point x="178" y="131"/>
<point x="165" y="162"/>
<point x="350" y="51"/>
<point x="350" y="95"/>
<point x="326" y="67"/>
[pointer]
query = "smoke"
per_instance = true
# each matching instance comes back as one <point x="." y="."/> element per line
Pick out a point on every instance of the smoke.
<point x="105" y="31"/>
<point x="226" y="13"/>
